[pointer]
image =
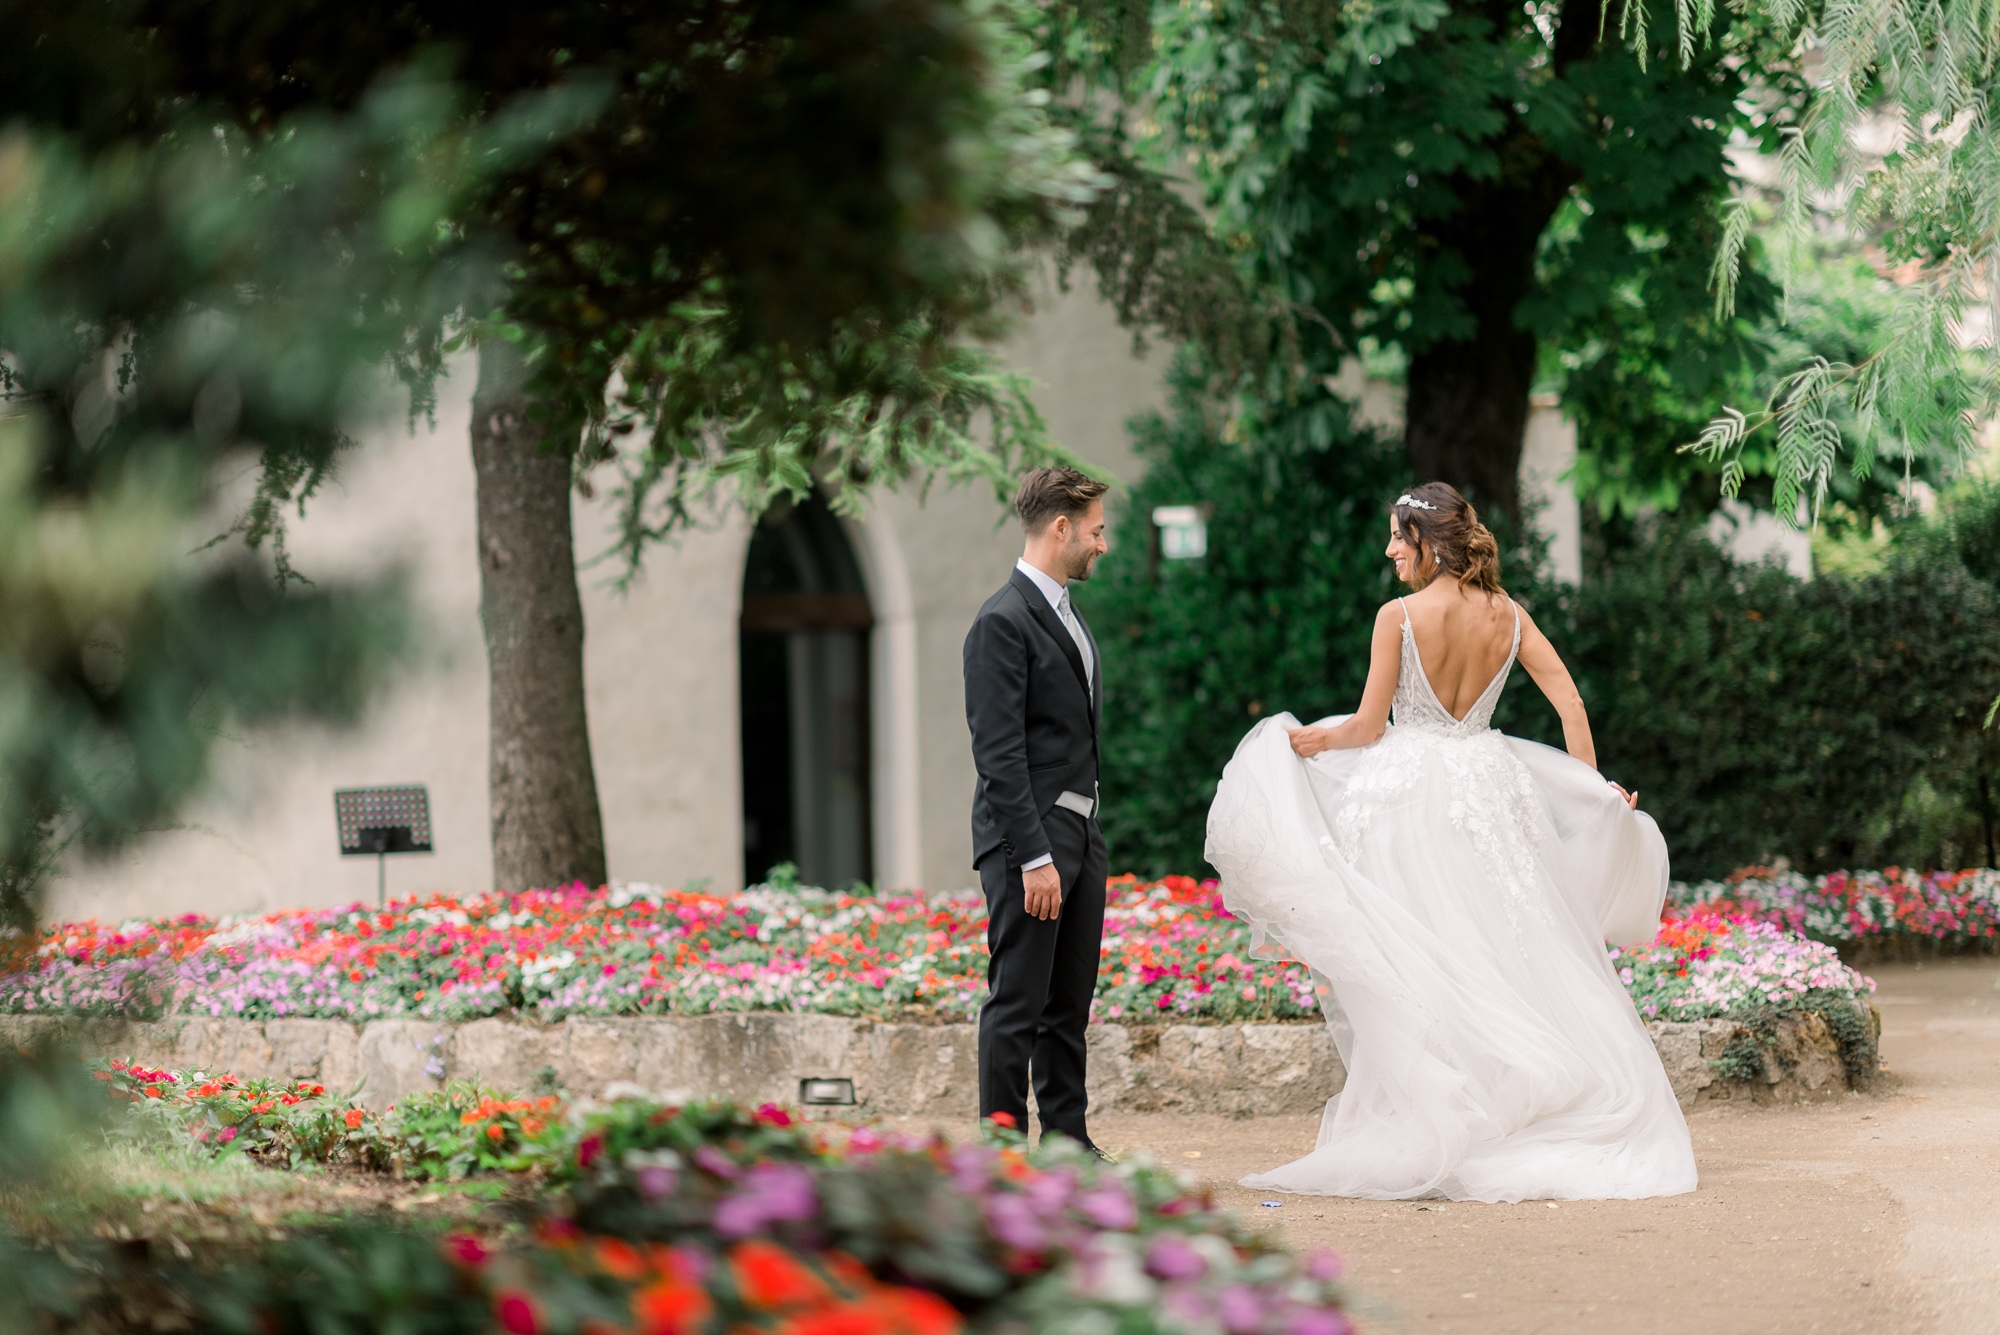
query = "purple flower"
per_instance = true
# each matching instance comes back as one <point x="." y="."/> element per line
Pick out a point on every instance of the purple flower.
<point x="1238" y="1309"/>
<point x="1051" y="1192"/>
<point x="1185" y="1302"/>
<point x="1172" y="1258"/>
<point x="1324" y="1266"/>
<point x="772" y="1193"/>
<point x="1014" y="1222"/>
<point x="718" y="1163"/>
<point x="1316" y="1321"/>
<point x="657" y="1180"/>
<point x="969" y="1168"/>
<point x="1109" y="1207"/>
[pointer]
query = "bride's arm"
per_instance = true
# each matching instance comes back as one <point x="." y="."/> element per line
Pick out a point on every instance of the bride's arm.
<point x="1545" y="665"/>
<point x="1365" y="725"/>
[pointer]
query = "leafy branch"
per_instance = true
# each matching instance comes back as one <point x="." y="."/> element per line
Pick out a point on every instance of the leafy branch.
<point x="1917" y="76"/>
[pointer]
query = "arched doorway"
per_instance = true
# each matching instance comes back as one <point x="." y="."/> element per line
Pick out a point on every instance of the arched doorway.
<point x="805" y="687"/>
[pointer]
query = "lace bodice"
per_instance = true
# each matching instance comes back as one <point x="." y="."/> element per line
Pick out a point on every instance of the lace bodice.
<point x="1416" y="704"/>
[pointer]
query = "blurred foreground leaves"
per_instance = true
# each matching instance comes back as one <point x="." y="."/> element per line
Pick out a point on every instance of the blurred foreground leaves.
<point x="189" y="326"/>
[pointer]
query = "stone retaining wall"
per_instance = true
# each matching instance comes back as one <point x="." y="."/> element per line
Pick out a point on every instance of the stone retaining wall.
<point x="1246" y="1070"/>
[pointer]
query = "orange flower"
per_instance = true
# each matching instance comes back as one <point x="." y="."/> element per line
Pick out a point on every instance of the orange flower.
<point x="354" y="1116"/>
<point x="770" y="1277"/>
<point x="884" y="1311"/>
<point x="620" y="1259"/>
<point x="668" y="1307"/>
<point x="496" y="1132"/>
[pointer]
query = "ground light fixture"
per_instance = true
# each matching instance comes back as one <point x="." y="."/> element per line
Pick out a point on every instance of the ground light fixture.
<point x="379" y="821"/>
<point x="826" y="1091"/>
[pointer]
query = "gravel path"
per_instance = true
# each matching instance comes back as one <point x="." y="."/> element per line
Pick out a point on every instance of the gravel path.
<point x="1876" y="1213"/>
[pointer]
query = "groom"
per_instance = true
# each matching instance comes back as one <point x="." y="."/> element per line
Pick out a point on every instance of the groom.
<point x="1033" y="698"/>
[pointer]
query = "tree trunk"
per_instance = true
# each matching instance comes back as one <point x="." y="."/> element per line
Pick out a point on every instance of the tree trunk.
<point x="1468" y="398"/>
<point x="1468" y="408"/>
<point x="547" y="829"/>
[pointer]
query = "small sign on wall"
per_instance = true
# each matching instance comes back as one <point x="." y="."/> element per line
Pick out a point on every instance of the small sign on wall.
<point x="1183" y="531"/>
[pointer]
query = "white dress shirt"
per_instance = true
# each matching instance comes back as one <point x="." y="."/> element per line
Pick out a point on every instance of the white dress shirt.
<point x="1058" y="596"/>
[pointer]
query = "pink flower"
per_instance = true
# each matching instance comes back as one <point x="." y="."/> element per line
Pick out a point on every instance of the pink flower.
<point x="1014" y="1222"/>
<point x="772" y="1193"/>
<point x="1239" y="1310"/>
<point x="1316" y="1321"/>
<point x="1109" y="1207"/>
<point x="1170" y="1257"/>
<point x="517" y="1314"/>
<point x="466" y="1249"/>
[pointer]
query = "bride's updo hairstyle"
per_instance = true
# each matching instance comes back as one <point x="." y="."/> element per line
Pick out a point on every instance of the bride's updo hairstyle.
<point x="1448" y="536"/>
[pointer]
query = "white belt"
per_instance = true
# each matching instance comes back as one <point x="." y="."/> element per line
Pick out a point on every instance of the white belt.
<point x="1077" y="802"/>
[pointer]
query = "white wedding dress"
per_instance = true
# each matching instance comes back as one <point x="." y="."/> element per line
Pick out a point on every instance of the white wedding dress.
<point x="1451" y="888"/>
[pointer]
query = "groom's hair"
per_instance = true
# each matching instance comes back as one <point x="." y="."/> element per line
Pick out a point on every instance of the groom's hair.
<point x="1047" y="492"/>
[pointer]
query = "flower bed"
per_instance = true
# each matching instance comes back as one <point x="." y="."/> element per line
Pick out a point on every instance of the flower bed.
<point x="1170" y="951"/>
<point x="1706" y="966"/>
<point x="648" y="1218"/>
<point x="1938" y="909"/>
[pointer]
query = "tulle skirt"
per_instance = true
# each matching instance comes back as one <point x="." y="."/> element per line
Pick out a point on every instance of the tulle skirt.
<point x="1452" y="893"/>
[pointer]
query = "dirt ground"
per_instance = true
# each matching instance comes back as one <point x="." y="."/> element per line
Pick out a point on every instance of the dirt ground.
<point x="1878" y="1212"/>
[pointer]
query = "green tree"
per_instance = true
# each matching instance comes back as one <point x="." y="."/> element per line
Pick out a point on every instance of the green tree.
<point x="773" y="241"/>
<point x="1277" y="615"/>
<point x="170" y="314"/>
<point x="1473" y="184"/>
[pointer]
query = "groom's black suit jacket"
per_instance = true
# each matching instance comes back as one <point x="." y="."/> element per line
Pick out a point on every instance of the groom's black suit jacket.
<point x="1034" y="722"/>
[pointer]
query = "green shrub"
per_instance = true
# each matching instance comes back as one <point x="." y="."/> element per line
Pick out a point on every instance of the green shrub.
<point x="1832" y="722"/>
<point x="1277" y="615"/>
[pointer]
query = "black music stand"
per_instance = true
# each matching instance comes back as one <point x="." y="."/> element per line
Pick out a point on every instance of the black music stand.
<point x="381" y="821"/>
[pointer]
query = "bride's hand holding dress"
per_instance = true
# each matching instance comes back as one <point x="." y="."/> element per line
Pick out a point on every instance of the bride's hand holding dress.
<point x="1452" y="889"/>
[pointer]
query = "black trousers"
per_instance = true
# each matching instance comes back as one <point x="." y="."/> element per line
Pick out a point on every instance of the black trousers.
<point x="1040" y="981"/>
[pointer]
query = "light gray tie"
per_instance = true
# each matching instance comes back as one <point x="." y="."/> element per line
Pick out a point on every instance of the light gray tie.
<point x="1075" y="629"/>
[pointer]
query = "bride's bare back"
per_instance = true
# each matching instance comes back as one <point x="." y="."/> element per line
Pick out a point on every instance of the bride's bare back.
<point x="1464" y="637"/>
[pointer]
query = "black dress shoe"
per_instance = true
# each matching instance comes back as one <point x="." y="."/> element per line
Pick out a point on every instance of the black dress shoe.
<point x="1089" y="1147"/>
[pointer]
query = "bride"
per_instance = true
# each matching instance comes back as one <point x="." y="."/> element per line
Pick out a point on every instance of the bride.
<point x="1451" y="889"/>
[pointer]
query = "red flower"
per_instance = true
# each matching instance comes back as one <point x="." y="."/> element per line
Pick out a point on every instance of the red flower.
<point x="466" y="1250"/>
<point x="588" y="1149"/>
<point x="1005" y="1119"/>
<point x="770" y="1114"/>
<point x="668" y="1307"/>
<point x="354" y="1116"/>
<point x="517" y="1314"/>
<point x="768" y="1276"/>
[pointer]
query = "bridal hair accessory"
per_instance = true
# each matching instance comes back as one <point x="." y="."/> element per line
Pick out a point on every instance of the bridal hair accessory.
<point x="1407" y="499"/>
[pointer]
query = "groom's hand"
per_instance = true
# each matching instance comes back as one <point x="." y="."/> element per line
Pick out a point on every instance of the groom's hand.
<point x="1042" y="889"/>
